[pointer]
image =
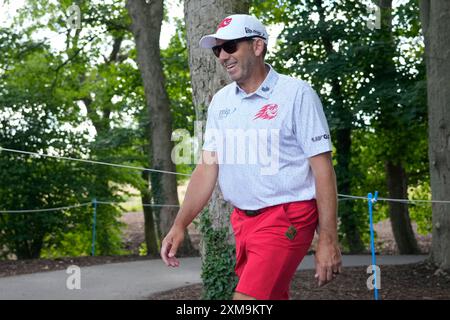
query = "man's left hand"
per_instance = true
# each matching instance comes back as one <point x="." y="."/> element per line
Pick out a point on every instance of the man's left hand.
<point x="328" y="261"/>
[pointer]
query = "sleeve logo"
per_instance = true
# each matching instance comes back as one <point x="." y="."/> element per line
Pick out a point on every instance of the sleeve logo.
<point x="318" y="138"/>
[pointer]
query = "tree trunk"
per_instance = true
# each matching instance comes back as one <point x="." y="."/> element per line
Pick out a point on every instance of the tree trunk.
<point x="348" y="218"/>
<point x="207" y="75"/>
<point x="146" y="27"/>
<point x="398" y="212"/>
<point x="151" y="235"/>
<point x="435" y="16"/>
<point x="29" y="249"/>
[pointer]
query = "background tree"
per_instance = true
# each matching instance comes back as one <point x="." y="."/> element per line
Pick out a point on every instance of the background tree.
<point x="435" y="16"/>
<point x="35" y="117"/>
<point x="208" y="76"/>
<point x="90" y="79"/>
<point x="146" y="26"/>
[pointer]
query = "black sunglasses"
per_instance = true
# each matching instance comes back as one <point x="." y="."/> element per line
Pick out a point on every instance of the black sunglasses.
<point x="229" y="46"/>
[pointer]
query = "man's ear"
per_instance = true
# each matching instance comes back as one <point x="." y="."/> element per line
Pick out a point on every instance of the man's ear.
<point x="258" y="47"/>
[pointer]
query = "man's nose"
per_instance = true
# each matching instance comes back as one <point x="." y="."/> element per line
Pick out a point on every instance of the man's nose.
<point x="223" y="55"/>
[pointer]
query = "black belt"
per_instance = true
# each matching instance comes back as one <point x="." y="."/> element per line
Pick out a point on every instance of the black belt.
<point x="252" y="213"/>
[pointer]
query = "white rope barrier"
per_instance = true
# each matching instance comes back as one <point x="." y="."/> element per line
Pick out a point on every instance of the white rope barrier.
<point x="92" y="161"/>
<point x="346" y="197"/>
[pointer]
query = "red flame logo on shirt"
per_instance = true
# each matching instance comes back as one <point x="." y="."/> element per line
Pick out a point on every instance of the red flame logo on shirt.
<point x="225" y="22"/>
<point x="269" y="111"/>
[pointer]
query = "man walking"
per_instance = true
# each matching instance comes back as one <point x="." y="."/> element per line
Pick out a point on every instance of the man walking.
<point x="278" y="202"/>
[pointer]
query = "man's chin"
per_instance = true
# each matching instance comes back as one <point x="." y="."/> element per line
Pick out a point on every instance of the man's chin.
<point x="234" y="76"/>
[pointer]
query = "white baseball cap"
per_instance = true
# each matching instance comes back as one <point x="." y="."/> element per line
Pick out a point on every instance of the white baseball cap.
<point x="235" y="27"/>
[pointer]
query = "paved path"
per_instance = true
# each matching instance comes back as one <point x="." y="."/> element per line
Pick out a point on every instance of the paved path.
<point x="138" y="279"/>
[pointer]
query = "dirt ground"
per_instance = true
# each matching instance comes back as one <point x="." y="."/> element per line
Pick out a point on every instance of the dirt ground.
<point x="419" y="281"/>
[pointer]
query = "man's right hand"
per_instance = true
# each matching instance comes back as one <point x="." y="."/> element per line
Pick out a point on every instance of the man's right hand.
<point x="170" y="245"/>
<point x="199" y="190"/>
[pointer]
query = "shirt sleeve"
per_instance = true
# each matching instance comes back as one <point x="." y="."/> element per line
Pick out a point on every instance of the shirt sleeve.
<point x="310" y="124"/>
<point x="210" y="143"/>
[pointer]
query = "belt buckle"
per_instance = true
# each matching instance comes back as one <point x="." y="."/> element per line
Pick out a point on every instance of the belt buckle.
<point x="252" y="213"/>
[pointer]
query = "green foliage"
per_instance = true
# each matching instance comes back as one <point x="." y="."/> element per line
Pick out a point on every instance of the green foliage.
<point x="421" y="212"/>
<point x="84" y="99"/>
<point x="369" y="175"/>
<point x="48" y="99"/>
<point x="270" y="11"/>
<point x="143" y="249"/>
<point x="70" y="244"/>
<point x="178" y="86"/>
<point x="31" y="119"/>
<point x="219" y="279"/>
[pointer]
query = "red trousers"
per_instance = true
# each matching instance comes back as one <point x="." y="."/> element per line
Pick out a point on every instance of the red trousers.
<point x="270" y="247"/>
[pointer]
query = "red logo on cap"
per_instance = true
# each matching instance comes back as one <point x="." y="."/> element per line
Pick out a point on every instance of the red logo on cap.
<point x="225" y="22"/>
<point x="269" y="111"/>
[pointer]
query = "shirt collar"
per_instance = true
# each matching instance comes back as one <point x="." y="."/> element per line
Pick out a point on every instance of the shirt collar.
<point x="266" y="87"/>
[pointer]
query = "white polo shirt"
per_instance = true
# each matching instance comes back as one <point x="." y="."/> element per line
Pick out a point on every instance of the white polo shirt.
<point x="263" y="141"/>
